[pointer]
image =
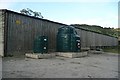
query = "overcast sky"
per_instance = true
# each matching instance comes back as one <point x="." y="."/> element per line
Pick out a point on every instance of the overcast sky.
<point x="92" y="12"/>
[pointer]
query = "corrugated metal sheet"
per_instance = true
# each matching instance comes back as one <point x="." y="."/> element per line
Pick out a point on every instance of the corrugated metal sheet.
<point x="83" y="38"/>
<point x="99" y="40"/>
<point x="23" y="29"/>
<point x="89" y="38"/>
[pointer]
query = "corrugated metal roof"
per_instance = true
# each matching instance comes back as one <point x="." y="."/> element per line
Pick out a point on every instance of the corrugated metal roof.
<point x="31" y="16"/>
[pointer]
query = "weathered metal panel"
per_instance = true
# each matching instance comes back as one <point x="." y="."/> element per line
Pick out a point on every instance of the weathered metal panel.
<point x="96" y="39"/>
<point x="103" y="43"/>
<point x="86" y="38"/>
<point x="111" y="41"/>
<point x="114" y="41"/>
<point x="22" y="31"/>
<point x="83" y="38"/>
<point x="89" y="38"/>
<point x="105" y="40"/>
<point x="93" y="39"/>
<point x="108" y="41"/>
<point x="1" y="33"/>
<point x="99" y="40"/>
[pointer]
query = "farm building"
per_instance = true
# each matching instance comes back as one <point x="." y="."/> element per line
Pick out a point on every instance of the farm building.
<point x="18" y="31"/>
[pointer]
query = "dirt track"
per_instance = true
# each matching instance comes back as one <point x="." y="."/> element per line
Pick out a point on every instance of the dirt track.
<point x="92" y="66"/>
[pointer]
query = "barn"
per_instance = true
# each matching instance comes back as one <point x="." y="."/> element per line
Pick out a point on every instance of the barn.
<point x="18" y="31"/>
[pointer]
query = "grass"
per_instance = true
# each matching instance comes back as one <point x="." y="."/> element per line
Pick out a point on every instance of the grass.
<point x="115" y="49"/>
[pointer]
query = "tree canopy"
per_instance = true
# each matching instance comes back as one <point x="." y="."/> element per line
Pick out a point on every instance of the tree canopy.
<point x="99" y="29"/>
<point x="31" y="13"/>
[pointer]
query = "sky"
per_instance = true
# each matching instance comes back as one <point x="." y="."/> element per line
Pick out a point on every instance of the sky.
<point x="92" y="12"/>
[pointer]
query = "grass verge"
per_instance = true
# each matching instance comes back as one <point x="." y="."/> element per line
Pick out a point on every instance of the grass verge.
<point x="114" y="49"/>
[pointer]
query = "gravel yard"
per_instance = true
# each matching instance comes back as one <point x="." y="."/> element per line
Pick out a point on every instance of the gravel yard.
<point x="0" y="67"/>
<point x="92" y="66"/>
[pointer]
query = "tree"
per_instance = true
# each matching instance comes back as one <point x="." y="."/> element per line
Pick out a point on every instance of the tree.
<point x="31" y="13"/>
<point x="26" y="12"/>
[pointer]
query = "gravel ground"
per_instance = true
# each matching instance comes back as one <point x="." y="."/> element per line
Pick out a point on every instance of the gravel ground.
<point x="92" y="66"/>
<point x="0" y="67"/>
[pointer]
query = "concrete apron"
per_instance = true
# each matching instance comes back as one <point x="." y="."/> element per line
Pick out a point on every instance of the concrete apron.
<point x="61" y="54"/>
<point x="72" y="54"/>
<point x="39" y="55"/>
